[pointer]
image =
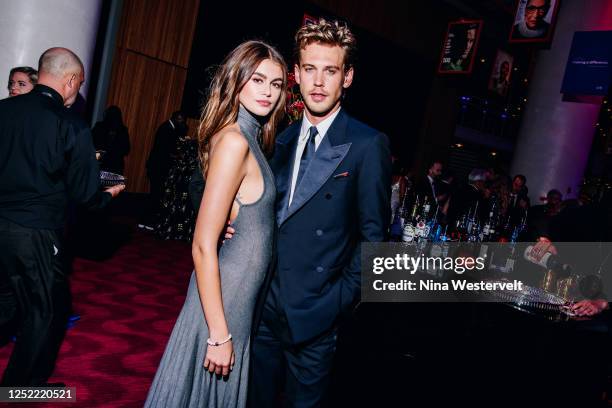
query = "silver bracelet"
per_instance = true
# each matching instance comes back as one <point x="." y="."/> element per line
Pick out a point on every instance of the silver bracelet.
<point x="218" y="343"/>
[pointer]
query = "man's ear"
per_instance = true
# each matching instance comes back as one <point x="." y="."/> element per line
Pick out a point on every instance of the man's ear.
<point x="71" y="80"/>
<point x="296" y="73"/>
<point x="348" y="78"/>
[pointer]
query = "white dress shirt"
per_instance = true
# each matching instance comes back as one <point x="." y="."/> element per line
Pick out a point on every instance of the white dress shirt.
<point x="322" y="129"/>
<point x="433" y="187"/>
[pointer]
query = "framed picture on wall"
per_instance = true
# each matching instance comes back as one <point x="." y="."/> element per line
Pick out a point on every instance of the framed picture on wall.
<point x="308" y="19"/>
<point x="534" y="20"/>
<point x="459" y="47"/>
<point x="499" y="80"/>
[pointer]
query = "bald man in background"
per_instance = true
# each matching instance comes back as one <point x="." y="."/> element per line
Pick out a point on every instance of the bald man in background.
<point x="46" y="159"/>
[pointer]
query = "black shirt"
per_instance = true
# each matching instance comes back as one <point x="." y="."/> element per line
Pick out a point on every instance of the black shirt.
<point x="46" y="158"/>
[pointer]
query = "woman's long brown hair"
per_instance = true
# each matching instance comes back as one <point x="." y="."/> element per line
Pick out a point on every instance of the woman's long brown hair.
<point x="222" y="106"/>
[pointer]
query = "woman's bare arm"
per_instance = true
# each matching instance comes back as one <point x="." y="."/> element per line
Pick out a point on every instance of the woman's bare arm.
<point x="226" y="170"/>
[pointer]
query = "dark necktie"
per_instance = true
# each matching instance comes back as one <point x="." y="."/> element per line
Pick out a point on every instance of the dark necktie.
<point x="307" y="155"/>
<point x="433" y="190"/>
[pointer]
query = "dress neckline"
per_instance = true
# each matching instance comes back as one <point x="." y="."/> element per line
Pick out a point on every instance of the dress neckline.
<point x="249" y="123"/>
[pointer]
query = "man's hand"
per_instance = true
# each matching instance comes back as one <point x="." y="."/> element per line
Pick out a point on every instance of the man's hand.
<point x="229" y="231"/>
<point x="115" y="190"/>
<point x="589" y="307"/>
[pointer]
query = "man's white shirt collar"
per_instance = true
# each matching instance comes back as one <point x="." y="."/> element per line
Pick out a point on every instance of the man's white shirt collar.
<point x="322" y="127"/>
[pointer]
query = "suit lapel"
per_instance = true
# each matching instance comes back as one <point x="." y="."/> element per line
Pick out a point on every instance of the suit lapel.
<point x="282" y="165"/>
<point x="326" y="159"/>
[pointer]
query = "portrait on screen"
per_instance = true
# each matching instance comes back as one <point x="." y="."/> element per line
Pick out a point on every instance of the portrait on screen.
<point x="534" y="20"/>
<point x="460" y="46"/>
<point x="499" y="81"/>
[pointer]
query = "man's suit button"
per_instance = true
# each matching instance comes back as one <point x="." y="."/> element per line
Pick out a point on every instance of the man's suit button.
<point x="319" y="232"/>
<point x="319" y="269"/>
<point x="328" y="196"/>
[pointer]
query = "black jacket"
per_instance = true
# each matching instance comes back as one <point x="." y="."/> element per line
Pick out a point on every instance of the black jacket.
<point x="46" y="158"/>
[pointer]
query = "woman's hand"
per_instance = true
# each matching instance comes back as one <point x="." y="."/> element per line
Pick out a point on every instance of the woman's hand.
<point x="220" y="359"/>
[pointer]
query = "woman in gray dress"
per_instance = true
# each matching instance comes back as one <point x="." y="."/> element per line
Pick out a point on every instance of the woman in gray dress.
<point x="206" y="360"/>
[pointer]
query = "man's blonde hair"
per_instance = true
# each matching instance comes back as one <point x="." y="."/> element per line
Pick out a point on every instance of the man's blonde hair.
<point x="330" y="33"/>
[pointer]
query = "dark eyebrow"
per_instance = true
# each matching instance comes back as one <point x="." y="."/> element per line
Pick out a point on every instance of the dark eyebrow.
<point x="327" y="67"/>
<point x="265" y="77"/>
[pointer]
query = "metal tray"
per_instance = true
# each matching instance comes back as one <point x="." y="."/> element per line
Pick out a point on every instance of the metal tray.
<point x="533" y="300"/>
<point x="108" y="179"/>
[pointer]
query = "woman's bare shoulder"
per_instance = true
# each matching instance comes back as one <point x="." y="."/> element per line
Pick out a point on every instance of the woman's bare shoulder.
<point x="229" y="139"/>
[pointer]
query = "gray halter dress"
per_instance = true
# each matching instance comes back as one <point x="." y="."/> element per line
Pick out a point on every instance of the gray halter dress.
<point x="181" y="380"/>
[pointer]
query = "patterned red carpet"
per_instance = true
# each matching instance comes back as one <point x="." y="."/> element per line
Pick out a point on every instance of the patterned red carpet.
<point x="128" y="305"/>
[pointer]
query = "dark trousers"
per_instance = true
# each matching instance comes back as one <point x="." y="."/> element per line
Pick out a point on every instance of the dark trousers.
<point x="304" y="368"/>
<point x="33" y="263"/>
<point x="8" y="310"/>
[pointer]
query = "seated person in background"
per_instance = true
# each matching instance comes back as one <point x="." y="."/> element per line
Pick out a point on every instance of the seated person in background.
<point x="499" y="190"/>
<point x="446" y="189"/>
<point x="469" y="198"/>
<point x="518" y="199"/>
<point x="542" y="216"/>
<point x="22" y="80"/>
<point x="398" y="189"/>
<point x="427" y="186"/>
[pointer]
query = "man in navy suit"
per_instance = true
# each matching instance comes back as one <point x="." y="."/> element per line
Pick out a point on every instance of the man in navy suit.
<point x="333" y="177"/>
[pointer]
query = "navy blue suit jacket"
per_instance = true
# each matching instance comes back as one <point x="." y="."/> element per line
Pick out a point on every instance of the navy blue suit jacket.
<point x="342" y="200"/>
